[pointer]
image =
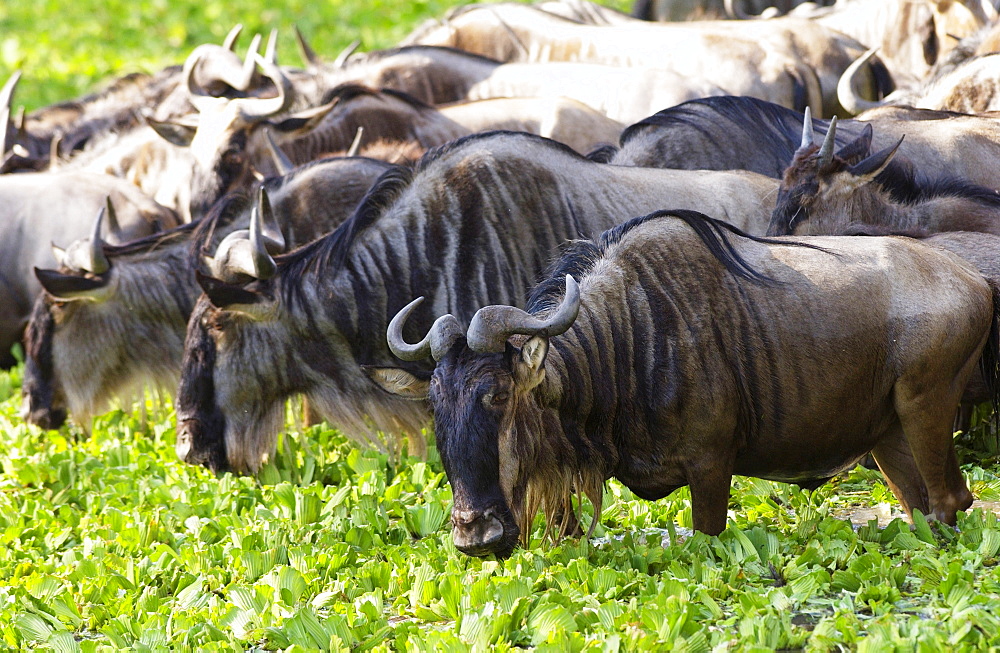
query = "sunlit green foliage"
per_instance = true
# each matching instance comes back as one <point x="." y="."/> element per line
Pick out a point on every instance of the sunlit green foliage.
<point x="108" y="542"/>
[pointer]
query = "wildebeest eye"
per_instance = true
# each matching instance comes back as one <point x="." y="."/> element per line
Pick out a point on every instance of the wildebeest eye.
<point x="497" y="398"/>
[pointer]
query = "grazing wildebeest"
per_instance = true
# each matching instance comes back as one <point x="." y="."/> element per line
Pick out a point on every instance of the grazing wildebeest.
<point x="824" y="192"/>
<point x="723" y="133"/>
<point x="96" y="337"/>
<point x="39" y="208"/>
<point x="684" y="355"/>
<point x="475" y="222"/>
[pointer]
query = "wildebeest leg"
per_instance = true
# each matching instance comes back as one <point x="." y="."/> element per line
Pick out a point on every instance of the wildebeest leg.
<point x="710" y="495"/>
<point x="927" y="424"/>
<point x="895" y="459"/>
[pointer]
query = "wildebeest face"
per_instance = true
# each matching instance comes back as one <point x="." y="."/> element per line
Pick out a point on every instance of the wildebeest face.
<point x="238" y="369"/>
<point x="51" y="336"/>
<point x="487" y="425"/>
<point x="43" y="403"/>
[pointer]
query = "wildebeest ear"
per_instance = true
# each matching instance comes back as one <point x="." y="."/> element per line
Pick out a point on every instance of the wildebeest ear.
<point x="876" y="163"/>
<point x="176" y="132"/>
<point x="70" y="286"/>
<point x="529" y="363"/>
<point x="232" y="297"/>
<point x="398" y="381"/>
<point x="307" y="119"/>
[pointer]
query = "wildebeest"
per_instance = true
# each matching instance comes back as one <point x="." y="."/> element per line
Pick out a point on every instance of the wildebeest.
<point x="721" y="133"/>
<point x="682" y="355"/>
<point x="475" y="222"/>
<point x="93" y="338"/>
<point x="793" y="62"/>
<point x="438" y="75"/>
<point x="823" y="192"/>
<point x="969" y="87"/>
<point x="39" y="208"/>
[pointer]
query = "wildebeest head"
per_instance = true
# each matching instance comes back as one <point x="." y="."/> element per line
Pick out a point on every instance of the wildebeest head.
<point x="88" y="298"/>
<point x="816" y="173"/>
<point x="217" y="134"/>
<point x="493" y="421"/>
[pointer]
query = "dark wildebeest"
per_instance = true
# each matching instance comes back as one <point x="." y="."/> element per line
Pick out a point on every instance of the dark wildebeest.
<point x="39" y="208"/>
<point x="93" y="338"/>
<point x="687" y="355"/>
<point x="475" y="222"/>
<point x="823" y="192"/>
<point x="723" y="133"/>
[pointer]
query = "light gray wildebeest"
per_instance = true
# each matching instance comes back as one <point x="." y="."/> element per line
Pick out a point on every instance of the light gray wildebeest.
<point x="475" y="222"/>
<point x="41" y="208"/>
<point x="968" y="87"/>
<point x="438" y="76"/>
<point x="723" y="133"/>
<point x="793" y="62"/>
<point x="912" y="36"/>
<point x="93" y="338"/>
<point x="671" y="353"/>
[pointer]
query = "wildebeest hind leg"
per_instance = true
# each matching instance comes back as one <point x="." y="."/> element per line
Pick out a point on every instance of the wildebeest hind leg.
<point x="895" y="459"/>
<point x="927" y="425"/>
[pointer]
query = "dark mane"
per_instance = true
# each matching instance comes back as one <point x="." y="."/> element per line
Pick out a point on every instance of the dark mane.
<point x="220" y="214"/>
<point x="350" y="90"/>
<point x="440" y="151"/>
<point x="958" y="187"/>
<point x="333" y="248"/>
<point x="152" y="241"/>
<point x="378" y="55"/>
<point x="579" y="257"/>
<point x="773" y="124"/>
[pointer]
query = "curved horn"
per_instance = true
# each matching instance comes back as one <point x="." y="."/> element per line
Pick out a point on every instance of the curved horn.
<point x="807" y="129"/>
<point x="7" y="92"/>
<point x="271" y="49"/>
<point x="257" y="109"/>
<point x="442" y="335"/>
<point x="54" y="152"/>
<point x="281" y="161"/>
<point x="244" y="81"/>
<point x="356" y="143"/>
<point x="308" y="54"/>
<point x="846" y="93"/>
<point x="734" y="10"/>
<point x="274" y="240"/>
<point x="114" y="229"/>
<point x="89" y="255"/>
<point x="492" y="325"/>
<point x="341" y="60"/>
<point x="826" y="150"/>
<point x="229" y="42"/>
<point x="58" y="253"/>
<point x="263" y="265"/>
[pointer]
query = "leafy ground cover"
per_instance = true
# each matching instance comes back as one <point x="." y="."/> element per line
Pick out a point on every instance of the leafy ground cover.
<point x="108" y="542"/>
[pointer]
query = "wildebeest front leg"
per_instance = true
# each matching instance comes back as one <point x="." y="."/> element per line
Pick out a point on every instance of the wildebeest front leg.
<point x="709" y="482"/>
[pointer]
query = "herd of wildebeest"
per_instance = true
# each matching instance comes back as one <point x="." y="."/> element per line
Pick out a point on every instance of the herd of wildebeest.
<point x="556" y="232"/>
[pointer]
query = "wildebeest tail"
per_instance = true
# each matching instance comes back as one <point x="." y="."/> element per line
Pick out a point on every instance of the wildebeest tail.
<point x="989" y="362"/>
